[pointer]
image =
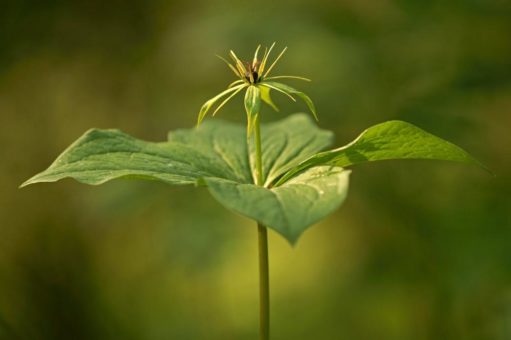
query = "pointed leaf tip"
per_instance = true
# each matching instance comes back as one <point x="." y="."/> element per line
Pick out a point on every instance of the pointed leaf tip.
<point x="289" y="209"/>
<point x="216" y="151"/>
<point x="390" y="140"/>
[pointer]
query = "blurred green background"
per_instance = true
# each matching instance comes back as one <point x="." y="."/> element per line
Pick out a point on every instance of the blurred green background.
<point x="420" y="250"/>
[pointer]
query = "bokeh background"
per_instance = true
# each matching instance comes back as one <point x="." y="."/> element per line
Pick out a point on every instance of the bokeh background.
<point x="420" y="250"/>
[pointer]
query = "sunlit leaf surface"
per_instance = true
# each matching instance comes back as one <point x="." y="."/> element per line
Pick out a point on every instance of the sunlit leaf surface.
<point x="288" y="209"/>
<point x="301" y="186"/>
<point x="385" y="141"/>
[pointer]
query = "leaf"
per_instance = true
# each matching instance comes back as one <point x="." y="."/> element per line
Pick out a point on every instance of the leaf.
<point x="389" y="140"/>
<point x="213" y="149"/>
<point x="214" y="153"/>
<point x="288" y="209"/>
<point x="301" y="186"/>
<point x="290" y="90"/>
<point x="288" y="142"/>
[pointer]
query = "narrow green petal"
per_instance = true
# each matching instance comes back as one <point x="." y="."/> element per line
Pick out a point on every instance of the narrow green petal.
<point x="254" y="61"/>
<point x="265" y="96"/>
<point x="239" y="64"/>
<point x="239" y="81"/>
<point x="275" y="62"/>
<point x="227" y="99"/>
<point x="207" y="105"/>
<point x="288" y="89"/>
<point x="265" y="58"/>
<point x="230" y="66"/>
<point x="287" y="77"/>
<point x="262" y="59"/>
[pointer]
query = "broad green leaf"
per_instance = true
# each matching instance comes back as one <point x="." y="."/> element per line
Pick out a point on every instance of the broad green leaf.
<point x="213" y="149"/>
<point x="288" y="209"/>
<point x="389" y="140"/>
<point x="301" y="186"/>
<point x="286" y="143"/>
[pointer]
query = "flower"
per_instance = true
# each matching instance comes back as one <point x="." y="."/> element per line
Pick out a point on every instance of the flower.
<point x="254" y="77"/>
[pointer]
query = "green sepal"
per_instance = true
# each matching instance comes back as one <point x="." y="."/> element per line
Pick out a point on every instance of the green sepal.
<point x="252" y="106"/>
<point x="292" y="91"/>
<point x="265" y="96"/>
<point x="208" y="104"/>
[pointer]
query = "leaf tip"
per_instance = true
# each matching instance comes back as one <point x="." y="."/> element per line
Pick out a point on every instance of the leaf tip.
<point x="292" y="240"/>
<point x="315" y="114"/>
<point x="484" y="167"/>
<point x="25" y="184"/>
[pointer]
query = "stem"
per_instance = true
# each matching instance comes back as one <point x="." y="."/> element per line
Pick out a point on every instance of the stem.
<point x="259" y="160"/>
<point x="264" y="284"/>
<point x="264" y="277"/>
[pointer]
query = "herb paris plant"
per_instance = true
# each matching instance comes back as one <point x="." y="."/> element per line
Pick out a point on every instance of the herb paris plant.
<point x="283" y="179"/>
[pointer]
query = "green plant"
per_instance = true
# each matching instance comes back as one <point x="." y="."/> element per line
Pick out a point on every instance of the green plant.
<point x="280" y="177"/>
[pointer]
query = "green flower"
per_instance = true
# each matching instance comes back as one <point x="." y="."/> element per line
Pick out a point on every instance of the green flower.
<point x="254" y="77"/>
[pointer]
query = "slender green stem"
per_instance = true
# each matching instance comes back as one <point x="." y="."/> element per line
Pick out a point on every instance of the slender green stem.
<point x="264" y="284"/>
<point x="264" y="277"/>
<point x="259" y="160"/>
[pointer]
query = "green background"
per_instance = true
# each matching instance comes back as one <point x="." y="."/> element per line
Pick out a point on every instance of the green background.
<point x="420" y="250"/>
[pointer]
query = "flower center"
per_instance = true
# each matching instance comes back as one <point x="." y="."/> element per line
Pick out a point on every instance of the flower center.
<point x="251" y="75"/>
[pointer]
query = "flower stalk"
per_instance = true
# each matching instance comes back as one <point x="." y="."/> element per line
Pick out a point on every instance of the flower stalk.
<point x="264" y="284"/>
